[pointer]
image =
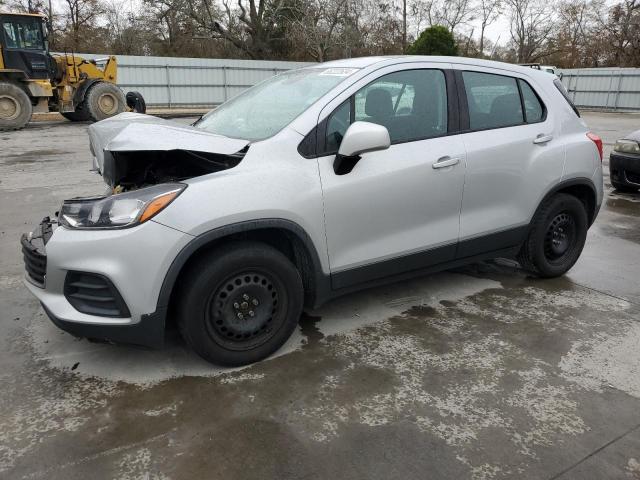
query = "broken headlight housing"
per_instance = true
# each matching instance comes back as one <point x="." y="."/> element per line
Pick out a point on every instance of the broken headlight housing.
<point x="120" y="210"/>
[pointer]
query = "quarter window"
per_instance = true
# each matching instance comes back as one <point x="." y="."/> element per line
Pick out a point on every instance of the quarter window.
<point x="411" y="104"/>
<point x="337" y="125"/>
<point x="493" y="100"/>
<point x="533" y="109"/>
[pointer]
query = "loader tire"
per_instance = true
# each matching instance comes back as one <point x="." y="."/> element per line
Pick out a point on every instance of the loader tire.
<point x="80" y="115"/>
<point x="104" y="100"/>
<point x="15" y="107"/>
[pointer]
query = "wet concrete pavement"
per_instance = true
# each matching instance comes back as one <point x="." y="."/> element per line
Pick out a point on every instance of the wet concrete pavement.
<point x="480" y="373"/>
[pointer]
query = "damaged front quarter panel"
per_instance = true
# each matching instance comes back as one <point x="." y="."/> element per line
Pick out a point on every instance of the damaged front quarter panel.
<point x="133" y="150"/>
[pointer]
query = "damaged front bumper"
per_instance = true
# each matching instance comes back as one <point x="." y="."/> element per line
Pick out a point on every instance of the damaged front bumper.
<point x="102" y="285"/>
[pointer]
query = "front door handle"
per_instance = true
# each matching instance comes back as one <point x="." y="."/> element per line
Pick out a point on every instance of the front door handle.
<point x="542" y="138"/>
<point x="446" y="161"/>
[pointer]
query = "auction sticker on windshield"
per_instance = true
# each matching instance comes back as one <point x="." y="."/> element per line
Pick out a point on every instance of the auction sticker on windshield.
<point x="339" y="72"/>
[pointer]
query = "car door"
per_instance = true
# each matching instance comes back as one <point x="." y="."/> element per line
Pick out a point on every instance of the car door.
<point x="513" y="155"/>
<point x="398" y="209"/>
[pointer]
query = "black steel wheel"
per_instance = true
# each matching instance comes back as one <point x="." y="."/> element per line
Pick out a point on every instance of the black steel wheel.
<point x="560" y="237"/>
<point x="243" y="310"/>
<point x="556" y="237"/>
<point x="239" y="303"/>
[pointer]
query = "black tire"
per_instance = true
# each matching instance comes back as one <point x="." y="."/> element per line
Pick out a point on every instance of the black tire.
<point x="556" y="238"/>
<point x="103" y="100"/>
<point x="240" y="303"/>
<point x="621" y="187"/>
<point x="135" y="101"/>
<point x="15" y="107"/>
<point x="80" y="115"/>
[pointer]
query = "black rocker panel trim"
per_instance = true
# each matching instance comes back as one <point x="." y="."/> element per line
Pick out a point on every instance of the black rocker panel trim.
<point x="493" y="241"/>
<point x="391" y="267"/>
<point x="440" y="257"/>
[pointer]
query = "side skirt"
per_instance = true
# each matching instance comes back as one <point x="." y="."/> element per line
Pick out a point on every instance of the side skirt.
<point x="500" y="244"/>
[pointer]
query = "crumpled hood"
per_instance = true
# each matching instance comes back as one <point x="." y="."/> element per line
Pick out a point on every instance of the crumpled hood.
<point x="130" y="132"/>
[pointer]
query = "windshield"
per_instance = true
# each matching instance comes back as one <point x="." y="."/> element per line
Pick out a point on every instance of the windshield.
<point x="23" y="34"/>
<point x="264" y="110"/>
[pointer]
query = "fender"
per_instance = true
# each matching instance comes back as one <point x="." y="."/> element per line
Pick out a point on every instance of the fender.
<point x="78" y="97"/>
<point x="572" y="182"/>
<point x="321" y="285"/>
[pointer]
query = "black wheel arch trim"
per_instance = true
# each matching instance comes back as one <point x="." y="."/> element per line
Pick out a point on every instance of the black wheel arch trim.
<point x="572" y="182"/>
<point x="321" y="284"/>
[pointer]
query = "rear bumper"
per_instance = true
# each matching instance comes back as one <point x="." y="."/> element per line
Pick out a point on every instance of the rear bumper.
<point x="625" y="169"/>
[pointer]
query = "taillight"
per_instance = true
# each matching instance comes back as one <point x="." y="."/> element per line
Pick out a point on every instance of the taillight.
<point x="598" y="141"/>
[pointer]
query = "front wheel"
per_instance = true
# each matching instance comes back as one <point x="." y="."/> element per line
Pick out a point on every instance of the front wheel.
<point x="556" y="237"/>
<point x="240" y="303"/>
<point x="103" y="100"/>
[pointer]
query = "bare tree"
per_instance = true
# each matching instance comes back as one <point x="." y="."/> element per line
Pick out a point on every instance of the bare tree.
<point x="454" y="13"/>
<point x="253" y="26"/>
<point x="623" y="29"/>
<point x="532" y="26"/>
<point x="489" y="11"/>
<point x="317" y="27"/>
<point x="80" y="17"/>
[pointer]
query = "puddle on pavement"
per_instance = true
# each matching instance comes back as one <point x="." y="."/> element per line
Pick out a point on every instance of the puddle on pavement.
<point x="309" y="328"/>
<point x="629" y="204"/>
<point x="342" y="316"/>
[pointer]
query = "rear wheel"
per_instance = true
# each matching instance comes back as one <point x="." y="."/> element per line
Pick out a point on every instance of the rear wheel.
<point x="240" y="303"/>
<point x="80" y="115"/>
<point x="103" y="100"/>
<point x="556" y="238"/>
<point x="15" y="107"/>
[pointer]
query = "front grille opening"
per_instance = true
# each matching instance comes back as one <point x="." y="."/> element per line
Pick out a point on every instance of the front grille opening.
<point x="35" y="263"/>
<point x="94" y="294"/>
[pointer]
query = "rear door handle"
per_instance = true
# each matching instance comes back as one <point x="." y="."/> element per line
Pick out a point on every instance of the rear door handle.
<point x="445" y="161"/>
<point x="542" y="138"/>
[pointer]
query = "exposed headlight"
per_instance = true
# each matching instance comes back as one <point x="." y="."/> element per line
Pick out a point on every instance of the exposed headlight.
<point x="118" y="211"/>
<point x="627" y="146"/>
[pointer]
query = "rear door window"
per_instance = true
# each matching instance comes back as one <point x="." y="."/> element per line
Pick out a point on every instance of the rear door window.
<point x="493" y="100"/>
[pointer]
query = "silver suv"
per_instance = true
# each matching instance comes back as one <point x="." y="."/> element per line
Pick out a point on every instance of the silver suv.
<point x="312" y="184"/>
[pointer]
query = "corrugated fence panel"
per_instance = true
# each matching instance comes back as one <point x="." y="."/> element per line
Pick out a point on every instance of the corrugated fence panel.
<point x="604" y="88"/>
<point x="192" y="82"/>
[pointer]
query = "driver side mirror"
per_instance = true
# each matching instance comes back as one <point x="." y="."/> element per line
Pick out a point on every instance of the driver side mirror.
<point x="360" y="137"/>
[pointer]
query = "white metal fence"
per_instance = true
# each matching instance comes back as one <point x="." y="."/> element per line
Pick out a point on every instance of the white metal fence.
<point x="201" y="82"/>
<point x="191" y="82"/>
<point x="616" y="89"/>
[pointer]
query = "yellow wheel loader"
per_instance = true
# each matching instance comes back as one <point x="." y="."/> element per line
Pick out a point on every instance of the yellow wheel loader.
<point x="33" y="81"/>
